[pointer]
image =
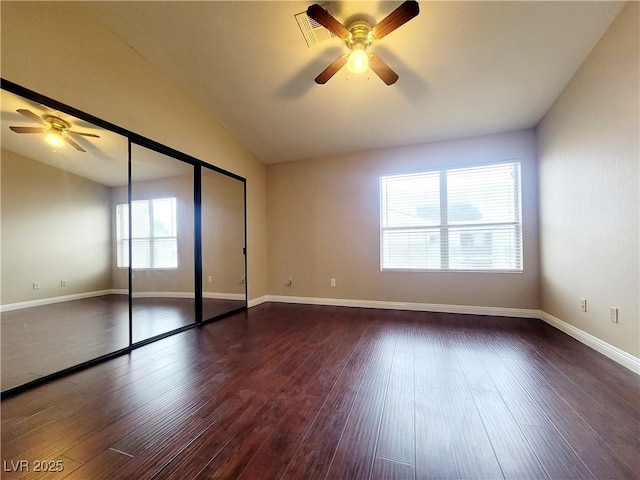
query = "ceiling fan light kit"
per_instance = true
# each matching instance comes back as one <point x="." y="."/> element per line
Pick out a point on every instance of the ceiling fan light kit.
<point x="358" y="37"/>
<point x="358" y="61"/>
<point x="56" y="129"/>
<point x="358" y="41"/>
<point x="54" y="139"/>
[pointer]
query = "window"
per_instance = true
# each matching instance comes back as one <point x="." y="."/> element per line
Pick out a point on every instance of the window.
<point x="465" y="219"/>
<point x="154" y="239"/>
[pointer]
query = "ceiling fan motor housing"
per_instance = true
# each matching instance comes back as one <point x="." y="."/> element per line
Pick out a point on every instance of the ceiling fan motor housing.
<point x="57" y="124"/>
<point x="360" y="36"/>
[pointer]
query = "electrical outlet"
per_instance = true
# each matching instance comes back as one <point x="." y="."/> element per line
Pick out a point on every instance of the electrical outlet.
<point x="613" y="314"/>
<point x="210" y="279"/>
<point x="333" y="282"/>
<point x="63" y="283"/>
<point x="36" y="285"/>
<point x="583" y="304"/>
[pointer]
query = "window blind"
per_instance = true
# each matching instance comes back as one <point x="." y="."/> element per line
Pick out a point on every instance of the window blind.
<point x="452" y="219"/>
<point x="154" y="242"/>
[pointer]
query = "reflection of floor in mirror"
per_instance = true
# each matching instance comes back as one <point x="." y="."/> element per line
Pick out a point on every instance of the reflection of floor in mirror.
<point x="41" y="340"/>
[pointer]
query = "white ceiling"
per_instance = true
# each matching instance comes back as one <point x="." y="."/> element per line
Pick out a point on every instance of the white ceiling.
<point x="466" y="68"/>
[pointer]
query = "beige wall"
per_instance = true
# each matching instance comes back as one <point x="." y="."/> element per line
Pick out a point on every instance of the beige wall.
<point x="90" y="68"/>
<point x="46" y="211"/>
<point x="588" y="149"/>
<point x="324" y="220"/>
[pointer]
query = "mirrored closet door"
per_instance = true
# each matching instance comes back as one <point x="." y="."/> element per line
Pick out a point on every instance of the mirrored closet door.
<point x="109" y="240"/>
<point x="61" y="303"/>
<point x="161" y="243"/>
<point x="223" y="241"/>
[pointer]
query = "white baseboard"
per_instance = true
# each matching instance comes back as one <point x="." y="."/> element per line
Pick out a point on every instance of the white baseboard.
<point x="51" y="300"/>
<point x="421" y="307"/>
<point x="614" y="353"/>
<point x="163" y="295"/>
<point x="114" y="291"/>
<point x="214" y="295"/>
<point x="223" y="296"/>
<point x="257" y="301"/>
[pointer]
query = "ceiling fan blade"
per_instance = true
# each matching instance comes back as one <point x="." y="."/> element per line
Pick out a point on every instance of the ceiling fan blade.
<point x="398" y="17"/>
<point x="383" y="70"/>
<point x="327" y="20"/>
<point x="29" y="129"/>
<point x="331" y="70"/>
<point x="74" y="144"/>
<point x="32" y="116"/>
<point x="84" y="134"/>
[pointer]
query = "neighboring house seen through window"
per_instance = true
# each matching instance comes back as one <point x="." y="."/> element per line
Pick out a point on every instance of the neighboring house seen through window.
<point x="464" y="219"/>
<point x="154" y="234"/>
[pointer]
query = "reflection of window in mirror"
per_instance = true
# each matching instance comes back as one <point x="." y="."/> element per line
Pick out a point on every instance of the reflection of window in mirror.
<point x="155" y="238"/>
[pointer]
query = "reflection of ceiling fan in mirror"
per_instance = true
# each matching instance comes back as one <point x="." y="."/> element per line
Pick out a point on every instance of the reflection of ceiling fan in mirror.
<point x="358" y="37"/>
<point x="56" y="129"/>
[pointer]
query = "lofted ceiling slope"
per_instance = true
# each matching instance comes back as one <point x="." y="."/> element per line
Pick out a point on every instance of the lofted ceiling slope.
<point x="466" y="68"/>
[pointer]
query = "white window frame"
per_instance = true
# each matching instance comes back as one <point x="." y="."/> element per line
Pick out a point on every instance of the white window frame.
<point x="122" y="243"/>
<point x="444" y="226"/>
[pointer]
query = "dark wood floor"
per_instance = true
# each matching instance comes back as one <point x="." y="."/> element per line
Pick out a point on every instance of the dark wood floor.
<point x="38" y="341"/>
<point x="311" y="392"/>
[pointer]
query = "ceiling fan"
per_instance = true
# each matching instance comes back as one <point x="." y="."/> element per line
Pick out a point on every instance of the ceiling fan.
<point x="56" y="129"/>
<point x="358" y="37"/>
